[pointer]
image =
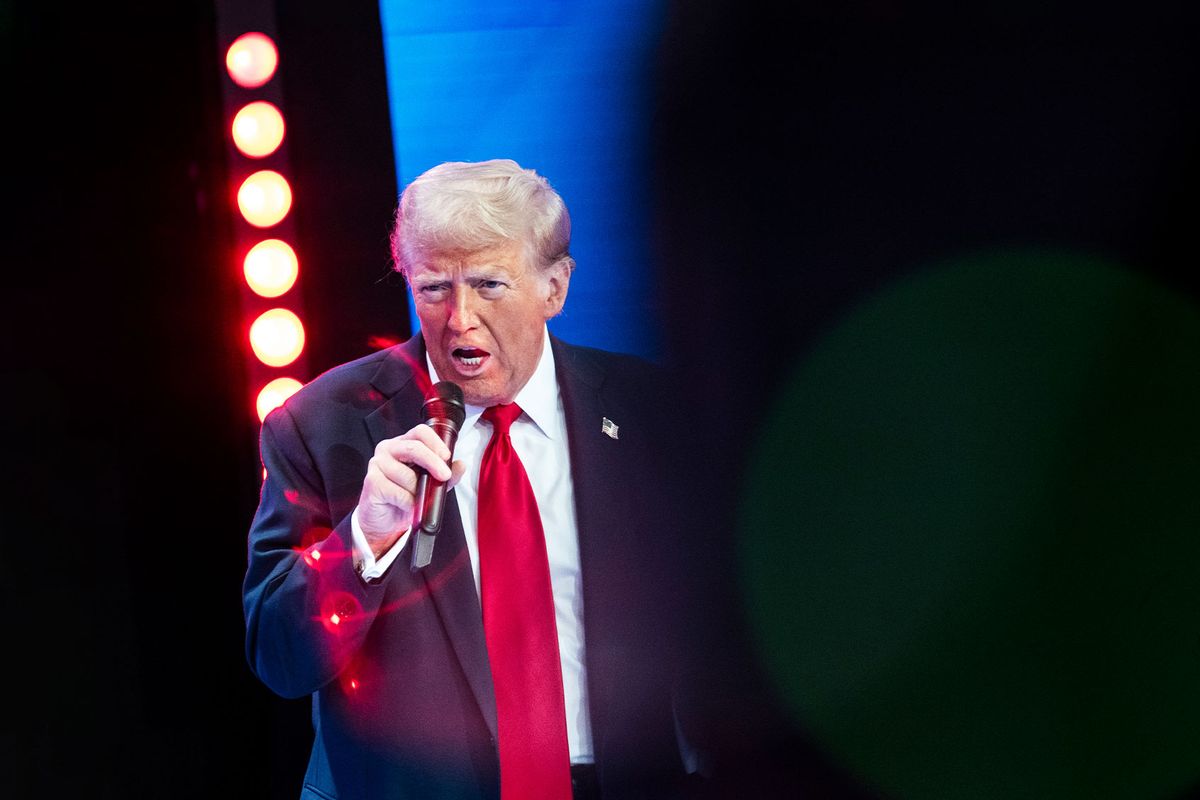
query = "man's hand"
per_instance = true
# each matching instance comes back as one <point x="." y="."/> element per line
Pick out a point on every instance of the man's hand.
<point x="385" y="507"/>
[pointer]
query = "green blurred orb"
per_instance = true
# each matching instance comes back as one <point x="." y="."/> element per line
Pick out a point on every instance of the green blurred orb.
<point x="971" y="536"/>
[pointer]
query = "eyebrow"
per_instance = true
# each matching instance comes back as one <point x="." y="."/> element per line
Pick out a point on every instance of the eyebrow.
<point x="485" y="272"/>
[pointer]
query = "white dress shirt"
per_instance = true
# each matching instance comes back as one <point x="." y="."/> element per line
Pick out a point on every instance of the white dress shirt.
<point x="539" y="436"/>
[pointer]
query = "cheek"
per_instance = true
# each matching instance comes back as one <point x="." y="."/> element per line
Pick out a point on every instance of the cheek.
<point x="430" y="316"/>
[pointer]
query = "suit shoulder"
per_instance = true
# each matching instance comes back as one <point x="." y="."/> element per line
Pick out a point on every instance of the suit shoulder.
<point x="629" y="385"/>
<point x="348" y="384"/>
<point x="613" y="364"/>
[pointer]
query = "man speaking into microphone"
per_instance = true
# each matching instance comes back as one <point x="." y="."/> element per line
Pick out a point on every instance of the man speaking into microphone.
<point x="524" y="649"/>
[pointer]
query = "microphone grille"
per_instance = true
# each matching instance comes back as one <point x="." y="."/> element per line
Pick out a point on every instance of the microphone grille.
<point x="445" y="401"/>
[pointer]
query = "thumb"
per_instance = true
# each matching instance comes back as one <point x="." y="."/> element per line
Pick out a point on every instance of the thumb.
<point x="457" y="470"/>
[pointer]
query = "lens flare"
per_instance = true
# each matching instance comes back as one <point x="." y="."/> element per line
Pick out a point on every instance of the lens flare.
<point x="258" y="129"/>
<point x="264" y="198"/>
<point x="251" y="60"/>
<point x="272" y="396"/>
<point x="271" y="267"/>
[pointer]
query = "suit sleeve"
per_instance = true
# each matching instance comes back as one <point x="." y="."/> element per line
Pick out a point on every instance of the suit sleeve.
<point x="307" y="610"/>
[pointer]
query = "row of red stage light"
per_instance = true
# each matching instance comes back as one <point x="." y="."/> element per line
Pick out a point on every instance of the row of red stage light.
<point x="264" y="198"/>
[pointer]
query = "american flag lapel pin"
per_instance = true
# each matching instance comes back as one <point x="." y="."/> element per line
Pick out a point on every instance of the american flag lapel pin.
<point x="609" y="428"/>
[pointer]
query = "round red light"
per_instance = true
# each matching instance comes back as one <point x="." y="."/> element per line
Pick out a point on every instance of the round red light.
<point x="251" y="60"/>
<point x="264" y="198"/>
<point x="258" y="129"/>
<point x="272" y="396"/>
<point x="271" y="267"/>
<point x="277" y="337"/>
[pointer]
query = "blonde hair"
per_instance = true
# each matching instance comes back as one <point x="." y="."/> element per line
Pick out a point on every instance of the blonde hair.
<point x="469" y="206"/>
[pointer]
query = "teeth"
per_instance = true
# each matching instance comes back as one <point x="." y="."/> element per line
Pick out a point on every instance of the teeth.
<point x="466" y="360"/>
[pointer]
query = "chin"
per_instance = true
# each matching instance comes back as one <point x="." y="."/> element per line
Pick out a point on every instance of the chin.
<point x="479" y="393"/>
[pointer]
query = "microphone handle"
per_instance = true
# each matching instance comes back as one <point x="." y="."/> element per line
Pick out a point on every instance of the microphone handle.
<point x="430" y="498"/>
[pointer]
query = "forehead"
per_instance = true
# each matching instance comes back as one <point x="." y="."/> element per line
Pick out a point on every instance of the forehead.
<point x="509" y="257"/>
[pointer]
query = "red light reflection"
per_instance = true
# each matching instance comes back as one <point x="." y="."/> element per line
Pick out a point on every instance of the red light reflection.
<point x="338" y="609"/>
<point x="418" y="372"/>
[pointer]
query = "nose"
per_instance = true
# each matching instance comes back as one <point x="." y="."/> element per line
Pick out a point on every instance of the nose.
<point x="462" y="310"/>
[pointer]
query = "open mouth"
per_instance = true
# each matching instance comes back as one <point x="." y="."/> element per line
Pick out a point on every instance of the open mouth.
<point x="469" y="357"/>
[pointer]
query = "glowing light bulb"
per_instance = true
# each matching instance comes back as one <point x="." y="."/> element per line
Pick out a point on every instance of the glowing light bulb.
<point x="264" y="198"/>
<point x="271" y="267"/>
<point x="335" y="619"/>
<point x="251" y="59"/>
<point x="277" y="337"/>
<point x="258" y="129"/>
<point x="272" y="396"/>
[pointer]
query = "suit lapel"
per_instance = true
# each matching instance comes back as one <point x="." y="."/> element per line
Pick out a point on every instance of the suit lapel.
<point x="595" y="470"/>
<point x="451" y="586"/>
<point x="402" y="379"/>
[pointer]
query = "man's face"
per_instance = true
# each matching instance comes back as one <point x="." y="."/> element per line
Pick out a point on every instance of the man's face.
<point x="483" y="314"/>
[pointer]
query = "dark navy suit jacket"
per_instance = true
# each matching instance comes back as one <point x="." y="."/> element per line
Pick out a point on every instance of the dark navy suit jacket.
<point x="398" y="670"/>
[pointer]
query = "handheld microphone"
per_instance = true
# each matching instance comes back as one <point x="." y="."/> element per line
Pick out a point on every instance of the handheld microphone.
<point x="444" y="411"/>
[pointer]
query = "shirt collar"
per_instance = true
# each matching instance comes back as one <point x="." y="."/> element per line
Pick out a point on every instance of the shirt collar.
<point x="538" y="398"/>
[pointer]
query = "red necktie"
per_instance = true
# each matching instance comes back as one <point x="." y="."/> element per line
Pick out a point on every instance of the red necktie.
<point x="518" y="623"/>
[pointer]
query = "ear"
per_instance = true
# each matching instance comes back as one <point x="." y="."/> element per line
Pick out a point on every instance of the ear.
<point x="557" y="279"/>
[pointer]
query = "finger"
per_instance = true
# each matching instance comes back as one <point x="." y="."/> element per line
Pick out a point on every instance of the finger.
<point x="415" y="453"/>
<point x="384" y="507"/>
<point x="457" y="470"/>
<point x="426" y="434"/>
<point x="397" y="473"/>
<point x="380" y="490"/>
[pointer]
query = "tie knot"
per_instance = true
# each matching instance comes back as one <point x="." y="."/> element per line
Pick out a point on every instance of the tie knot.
<point x="502" y="417"/>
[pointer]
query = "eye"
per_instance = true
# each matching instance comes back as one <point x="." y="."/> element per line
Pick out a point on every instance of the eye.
<point x="432" y="291"/>
<point x="490" y="287"/>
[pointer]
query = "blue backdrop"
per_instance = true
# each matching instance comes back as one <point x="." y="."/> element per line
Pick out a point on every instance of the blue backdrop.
<point x="561" y="87"/>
